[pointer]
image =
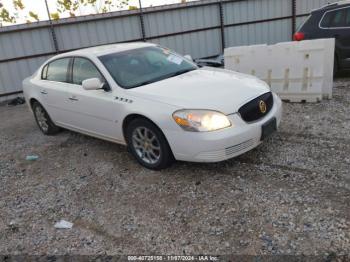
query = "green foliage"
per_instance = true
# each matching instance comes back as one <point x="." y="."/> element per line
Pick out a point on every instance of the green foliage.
<point x="6" y="17"/>
<point x="100" y="6"/>
<point x="63" y="7"/>
<point x="18" y="4"/>
<point x="33" y="15"/>
<point x="55" y="16"/>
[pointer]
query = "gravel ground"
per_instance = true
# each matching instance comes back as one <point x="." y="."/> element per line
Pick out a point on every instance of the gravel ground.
<point x="288" y="196"/>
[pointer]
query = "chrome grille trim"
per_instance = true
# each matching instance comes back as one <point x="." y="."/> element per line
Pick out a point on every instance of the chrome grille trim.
<point x="234" y="149"/>
<point x="228" y="152"/>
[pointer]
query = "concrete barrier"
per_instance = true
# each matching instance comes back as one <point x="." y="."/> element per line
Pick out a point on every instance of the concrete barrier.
<point x="296" y="71"/>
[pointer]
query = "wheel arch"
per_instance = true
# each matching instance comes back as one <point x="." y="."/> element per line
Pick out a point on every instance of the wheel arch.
<point x="129" y="118"/>
<point x="32" y="101"/>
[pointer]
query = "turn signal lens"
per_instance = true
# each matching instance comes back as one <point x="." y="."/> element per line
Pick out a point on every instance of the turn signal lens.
<point x="181" y="121"/>
<point x="201" y="120"/>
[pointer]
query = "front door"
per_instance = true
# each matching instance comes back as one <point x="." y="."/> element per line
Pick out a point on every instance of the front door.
<point x="94" y="112"/>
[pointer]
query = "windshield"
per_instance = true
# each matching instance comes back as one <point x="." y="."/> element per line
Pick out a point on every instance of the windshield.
<point x="143" y="66"/>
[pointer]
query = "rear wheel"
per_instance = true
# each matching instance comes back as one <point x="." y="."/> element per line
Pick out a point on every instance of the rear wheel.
<point x="148" y="145"/>
<point x="43" y="120"/>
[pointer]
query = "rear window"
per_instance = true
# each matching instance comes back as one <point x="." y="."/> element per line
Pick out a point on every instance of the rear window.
<point x="336" y="18"/>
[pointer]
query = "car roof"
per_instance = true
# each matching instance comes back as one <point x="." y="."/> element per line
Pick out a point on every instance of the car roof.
<point x="105" y="49"/>
<point x="332" y="6"/>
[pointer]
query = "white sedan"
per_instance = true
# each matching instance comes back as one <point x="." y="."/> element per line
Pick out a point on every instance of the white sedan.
<point x="158" y="103"/>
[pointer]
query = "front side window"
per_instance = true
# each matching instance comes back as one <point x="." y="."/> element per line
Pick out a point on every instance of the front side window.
<point x="56" y="70"/>
<point x="84" y="69"/>
<point x="143" y="66"/>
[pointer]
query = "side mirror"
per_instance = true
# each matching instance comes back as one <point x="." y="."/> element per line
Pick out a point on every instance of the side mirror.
<point x="92" y="84"/>
<point x="188" y="57"/>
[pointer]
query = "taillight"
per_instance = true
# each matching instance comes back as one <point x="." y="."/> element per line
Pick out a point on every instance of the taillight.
<point x="299" y="36"/>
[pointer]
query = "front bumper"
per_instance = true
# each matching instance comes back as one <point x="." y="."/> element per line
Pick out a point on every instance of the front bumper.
<point x="222" y="144"/>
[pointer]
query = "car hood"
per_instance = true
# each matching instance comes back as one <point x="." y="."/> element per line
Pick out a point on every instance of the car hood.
<point x="205" y="88"/>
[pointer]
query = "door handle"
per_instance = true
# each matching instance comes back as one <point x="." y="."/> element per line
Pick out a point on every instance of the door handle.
<point x="73" y="98"/>
<point x="43" y="92"/>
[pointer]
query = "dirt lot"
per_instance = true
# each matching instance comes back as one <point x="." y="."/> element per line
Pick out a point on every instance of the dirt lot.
<point x="291" y="195"/>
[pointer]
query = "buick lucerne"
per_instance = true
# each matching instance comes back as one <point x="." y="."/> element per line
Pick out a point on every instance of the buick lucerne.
<point x="157" y="102"/>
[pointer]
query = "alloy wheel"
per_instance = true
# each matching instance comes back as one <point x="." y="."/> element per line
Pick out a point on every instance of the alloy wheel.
<point x="146" y="145"/>
<point x="41" y="118"/>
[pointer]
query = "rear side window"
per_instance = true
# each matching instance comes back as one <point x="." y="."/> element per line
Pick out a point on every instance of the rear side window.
<point x="56" y="70"/>
<point x="337" y="18"/>
<point x="44" y="72"/>
<point x="347" y="17"/>
<point x="84" y="69"/>
<point x="326" y="19"/>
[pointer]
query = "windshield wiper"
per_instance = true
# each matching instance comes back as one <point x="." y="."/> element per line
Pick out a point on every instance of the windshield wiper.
<point x="143" y="83"/>
<point x="163" y="77"/>
<point x="181" y="72"/>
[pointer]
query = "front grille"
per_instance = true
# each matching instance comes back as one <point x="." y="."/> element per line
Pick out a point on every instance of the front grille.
<point x="251" y="111"/>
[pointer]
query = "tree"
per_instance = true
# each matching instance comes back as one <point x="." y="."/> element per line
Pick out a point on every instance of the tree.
<point x="64" y="7"/>
<point x="5" y="15"/>
<point x="18" y="4"/>
<point x="33" y="15"/>
<point x="100" y="6"/>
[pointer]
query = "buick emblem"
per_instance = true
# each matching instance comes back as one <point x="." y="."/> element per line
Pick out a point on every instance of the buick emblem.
<point x="262" y="106"/>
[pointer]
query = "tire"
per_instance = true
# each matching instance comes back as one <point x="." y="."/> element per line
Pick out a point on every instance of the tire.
<point x="148" y="145"/>
<point x="43" y="120"/>
<point x="336" y="66"/>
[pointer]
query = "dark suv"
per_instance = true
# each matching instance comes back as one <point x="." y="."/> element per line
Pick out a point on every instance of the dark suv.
<point x="331" y="21"/>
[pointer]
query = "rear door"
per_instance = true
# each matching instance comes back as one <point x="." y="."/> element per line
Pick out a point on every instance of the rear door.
<point x="336" y="24"/>
<point x="92" y="111"/>
<point x="53" y="88"/>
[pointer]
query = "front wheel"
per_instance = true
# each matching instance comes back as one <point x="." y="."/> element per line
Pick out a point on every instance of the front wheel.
<point x="148" y="145"/>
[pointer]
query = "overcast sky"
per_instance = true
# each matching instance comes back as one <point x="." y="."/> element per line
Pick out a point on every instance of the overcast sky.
<point x="38" y="7"/>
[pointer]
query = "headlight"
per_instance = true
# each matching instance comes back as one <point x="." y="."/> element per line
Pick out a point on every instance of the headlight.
<point x="201" y="120"/>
